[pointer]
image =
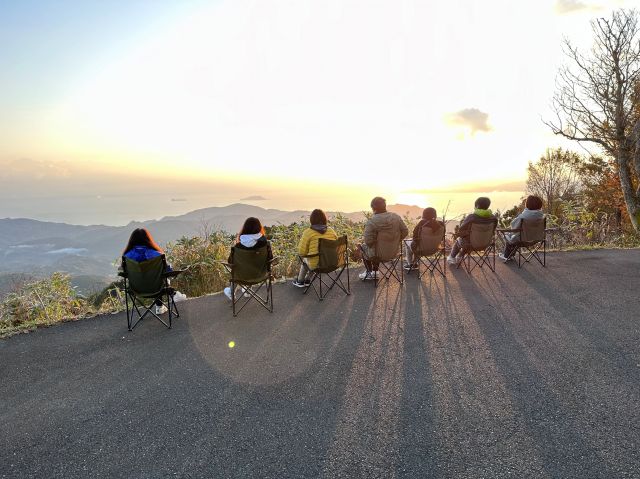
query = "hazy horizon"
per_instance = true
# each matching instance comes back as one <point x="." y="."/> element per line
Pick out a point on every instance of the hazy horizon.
<point x="107" y="112"/>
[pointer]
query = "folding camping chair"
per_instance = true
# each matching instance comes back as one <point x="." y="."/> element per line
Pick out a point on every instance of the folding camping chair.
<point x="481" y="248"/>
<point x="333" y="260"/>
<point x="533" y="240"/>
<point x="148" y="281"/>
<point x="250" y="268"/>
<point x="430" y="251"/>
<point x="388" y="256"/>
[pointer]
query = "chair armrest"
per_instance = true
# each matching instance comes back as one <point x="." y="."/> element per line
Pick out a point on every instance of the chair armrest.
<point x="308" y="255"/>
<point x="173" y="273"/>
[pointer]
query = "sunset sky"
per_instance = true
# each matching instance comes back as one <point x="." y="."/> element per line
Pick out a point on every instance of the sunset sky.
<point x="111" y="109"/>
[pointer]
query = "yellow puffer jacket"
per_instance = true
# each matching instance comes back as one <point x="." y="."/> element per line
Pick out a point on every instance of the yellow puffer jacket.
<point x="309" y="244"/>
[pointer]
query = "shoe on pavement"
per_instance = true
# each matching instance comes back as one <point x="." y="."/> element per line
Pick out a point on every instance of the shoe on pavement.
<point x="368" y="275"/>
<point x="504" y="258"/>
<point x="179" y="296"/>
<point x="299" y="284"/>
<point x="452" y="260"/>
<point x="227" y="292"/>
<point x="161" y="309"/>
<point x="409" y="267"/>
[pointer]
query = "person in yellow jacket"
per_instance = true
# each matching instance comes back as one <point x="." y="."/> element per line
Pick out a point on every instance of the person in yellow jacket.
<point x="308" y="245"/>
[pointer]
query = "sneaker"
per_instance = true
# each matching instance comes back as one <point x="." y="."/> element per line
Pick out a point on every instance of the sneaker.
<point x="504" y="258"/>
<point x="368" y="275"/>
<point x="409" y="267"/>
<point x="179" y="296"/>
<point x="246" y="294"/>
<point x="299" y="284"/>
<point x="227" y="292"/>
<point x="452" y="260"/>
<point x="161" y="309"/>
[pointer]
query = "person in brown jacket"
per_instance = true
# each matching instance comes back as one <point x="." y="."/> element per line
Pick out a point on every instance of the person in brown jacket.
<point x="429" y="220"/>
<point x="382" y="235"/>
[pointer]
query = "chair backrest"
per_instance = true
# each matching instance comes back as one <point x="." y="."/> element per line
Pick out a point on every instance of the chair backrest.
<point x="482" y="235"/>
<point x="388" y="244"/>
<point x="430" y="239"/>
<point x="250" y="265"/>
<point x="145" y="277"/>
<point x="333" y="254"/>
<point x="532" y="231"/>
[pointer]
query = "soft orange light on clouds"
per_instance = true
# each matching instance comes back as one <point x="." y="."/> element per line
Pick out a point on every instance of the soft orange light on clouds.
<point x="319" y="100"/>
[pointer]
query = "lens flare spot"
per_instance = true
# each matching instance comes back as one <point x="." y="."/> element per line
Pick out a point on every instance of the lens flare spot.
<point x="232" y="344"/>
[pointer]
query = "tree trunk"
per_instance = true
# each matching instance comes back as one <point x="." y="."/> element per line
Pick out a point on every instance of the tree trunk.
<point x="631" y="196"/>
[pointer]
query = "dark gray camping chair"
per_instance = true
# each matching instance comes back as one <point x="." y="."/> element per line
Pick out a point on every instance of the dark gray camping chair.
<point x="532" y="243"/>
<point x="250" y="268"/>
<point x="480" y="247"/>
<point x="431" y="251"/>
<point x="333" y="260"/>
<point x="147" y="282"/>
<point x="387" y="261"/>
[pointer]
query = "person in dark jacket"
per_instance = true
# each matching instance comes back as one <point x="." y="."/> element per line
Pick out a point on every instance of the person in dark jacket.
<point x="251" y="236"/>
<point x="429" y="220"/>
<point x="481" y="214"/>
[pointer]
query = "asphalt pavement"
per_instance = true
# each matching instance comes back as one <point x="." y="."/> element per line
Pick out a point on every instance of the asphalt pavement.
<point x="525" y="373"/>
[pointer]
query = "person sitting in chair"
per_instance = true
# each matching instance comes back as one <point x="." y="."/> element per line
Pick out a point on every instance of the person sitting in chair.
<point x="141" y="247"/>
<point x="429" y="220"/>
<point x="382" y="221"/>
<point x="251" y="236"/>
<point x="532" y="211"/>
<point x="481" y="214"/>
<point x="308" y="245"/>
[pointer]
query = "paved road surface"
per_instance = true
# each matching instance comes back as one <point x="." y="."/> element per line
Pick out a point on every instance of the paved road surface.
<point x="524" y="373"/>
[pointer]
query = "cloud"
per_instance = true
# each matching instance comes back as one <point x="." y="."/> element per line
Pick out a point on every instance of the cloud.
<point x="471" y="118"/>
<point x="34" y="169"/>
<point x="513" y="187"/>
<point x="571" y="6"/>
<point x="254" y="198"/>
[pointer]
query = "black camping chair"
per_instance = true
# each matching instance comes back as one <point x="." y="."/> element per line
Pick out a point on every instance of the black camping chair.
<point x="532" y="243"/>
<point x="250" y="268"/>
<point x="431" y="251"/>
<point x="480" y="249"/>
<point x="387" y="261"/>
<point x="333" y="260"/>
<point x="148" y="282"/>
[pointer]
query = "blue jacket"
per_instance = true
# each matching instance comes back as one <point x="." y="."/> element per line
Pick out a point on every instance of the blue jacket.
<point x="142" y="253"/>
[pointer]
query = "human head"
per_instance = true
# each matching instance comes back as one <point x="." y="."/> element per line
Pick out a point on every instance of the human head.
<point x="379" y="204"/>
<point x="429" y="214"/>
<point x="483" y="203"/>
<point x="533" y="202"/>
<point x="141" y="237"/>
<point x="318" y="217"/>
<point x="251" y="226"/>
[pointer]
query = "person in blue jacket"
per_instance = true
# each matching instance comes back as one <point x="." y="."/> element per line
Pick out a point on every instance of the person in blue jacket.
<point x="141" y="247"/>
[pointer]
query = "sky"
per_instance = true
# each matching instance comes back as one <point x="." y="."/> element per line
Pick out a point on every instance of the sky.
<point x="118" y="110"/>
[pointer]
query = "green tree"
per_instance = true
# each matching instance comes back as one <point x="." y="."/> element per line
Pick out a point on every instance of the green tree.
<point x="554" y="178"/>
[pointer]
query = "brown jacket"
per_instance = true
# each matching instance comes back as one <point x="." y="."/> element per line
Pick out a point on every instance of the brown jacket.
<point x="383" y="233"/>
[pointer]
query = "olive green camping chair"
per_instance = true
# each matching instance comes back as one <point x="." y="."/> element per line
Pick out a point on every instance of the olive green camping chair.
<point x="333" y="260"/>
<point x="146" y="284"/>
<point x="250" y="269"/>
<point x="481" y="247"/>
<point x="387" y="261"/>
<point x="431" y="251"/>
<point x="532" y="243"/>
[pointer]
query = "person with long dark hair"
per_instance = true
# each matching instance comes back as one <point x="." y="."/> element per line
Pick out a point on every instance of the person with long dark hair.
<point x="142" y="247"/>
<point x="251" y="236"/>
